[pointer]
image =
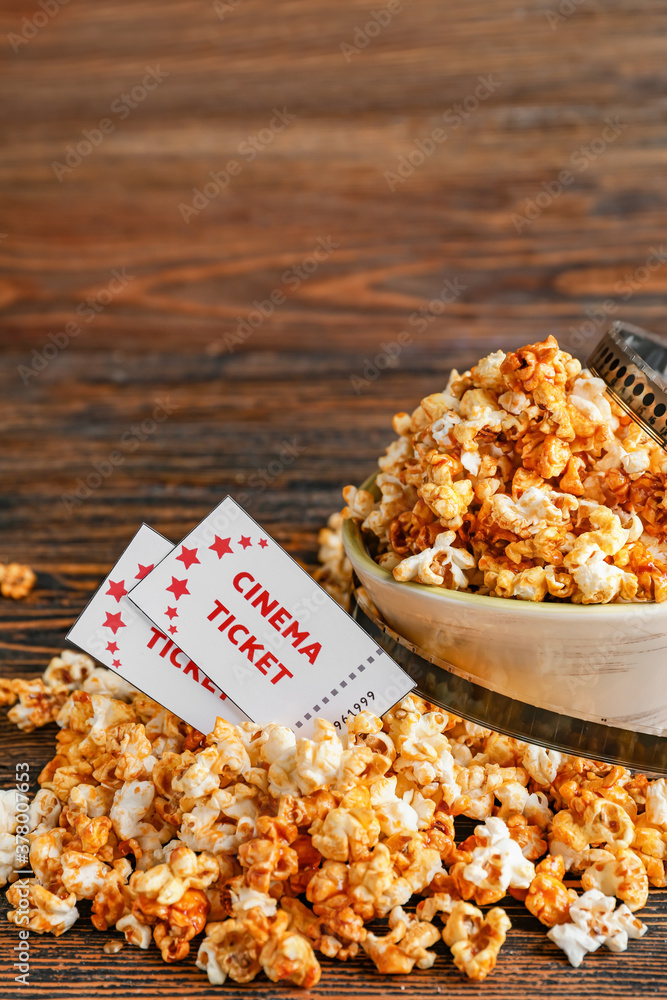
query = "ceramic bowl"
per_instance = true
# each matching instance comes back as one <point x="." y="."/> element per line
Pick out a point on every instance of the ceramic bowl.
<point x="603" y="663"/>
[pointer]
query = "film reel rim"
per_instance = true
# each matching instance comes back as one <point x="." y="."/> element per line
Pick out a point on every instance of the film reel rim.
<point x="441" y="684"/>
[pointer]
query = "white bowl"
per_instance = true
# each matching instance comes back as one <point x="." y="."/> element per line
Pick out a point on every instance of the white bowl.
<point x="604" y="663"/>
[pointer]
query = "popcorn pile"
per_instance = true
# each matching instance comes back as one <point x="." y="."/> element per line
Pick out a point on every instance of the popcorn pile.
<point x="279" y="848"/>
<point x="522" y="479"/>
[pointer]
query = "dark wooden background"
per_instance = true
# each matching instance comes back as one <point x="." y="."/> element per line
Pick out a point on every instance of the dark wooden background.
<point x="557" y="77"/>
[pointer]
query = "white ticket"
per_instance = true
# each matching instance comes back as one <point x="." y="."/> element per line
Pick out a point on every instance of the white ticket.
<point x="263" y="630"/>
<point x="113" y="630"/>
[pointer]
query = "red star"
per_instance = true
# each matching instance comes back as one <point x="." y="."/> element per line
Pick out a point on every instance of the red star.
<point x="188" y="556"/>
<point x="116" y="664"/>
<point x="117" y="590"/>
<point x="245" y="542"/>
<point x="221" y="546"/>
<point x="263" y="543"/>
<point x="112" y="647"/>
<point x="171" y="613"/>
<point x="173" y="629"/>
<point x="178" y="587"/>
<point x="114" y="622"/>
<point x="143" y="571"/>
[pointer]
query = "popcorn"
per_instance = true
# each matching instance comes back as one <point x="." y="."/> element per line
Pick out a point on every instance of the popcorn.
<point x="594" y="922"/>
<point x="269" y="858"/>
<point x="393" y="814"/>
<point x="46" y="851"/>
<point x="404" y="947"/>
<point x="311" y="926"/>
<point x="542" y="765"/>
<point x="170" y="833"/>
<point x="135" y="932"/>
<point x="38" y="704"/>
<point x="375" y="887"/>
<point x="230" y="948"/>
<point x="111" y="901"/>
<point x="432" y="565"/>
<point x="178" y="924"/>
<point x="606" y="822"/>
<point x="522" y="480"/>
<point x="497" y="865"/>
<point x="130" y="805"/>
<point x="415" y="859"/>
<point x="475" y="938"/>
<point x="16" y="580"/>
<point x="349" y="831"/>
<point x="220" y="822"/>
<point x="335" y="571"/>
<point x="167" y="883"/>
<point x="7" y="857"/>
<point x="527" y="836"/>
<point x="622" y="875"/>
<point x="656" y="803"/>
<point x="69" y="670"/>
<point x="47" y="912"/>
<point x="288" y="955"/>
<point x="549" y="899"/>
<point x="82" y="874"/>
<point x="44" y="811"/>
<point x="317" y="760"/>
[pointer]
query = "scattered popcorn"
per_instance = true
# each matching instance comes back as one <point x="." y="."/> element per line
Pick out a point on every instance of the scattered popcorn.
<point x="47" y="912"/>
<point x="522" y="479"/>
<point x="172" y="834"/>
<point x="404" y="946"/>
<point x="475" y="938"/>
<point x="594" y="922"/>
<point x="16" y="581"/>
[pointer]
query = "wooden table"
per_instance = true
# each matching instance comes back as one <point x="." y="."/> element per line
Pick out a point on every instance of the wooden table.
<point x="472" y="178"/>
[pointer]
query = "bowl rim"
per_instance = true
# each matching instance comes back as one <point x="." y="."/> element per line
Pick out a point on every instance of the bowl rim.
<point x="357" y="553"/>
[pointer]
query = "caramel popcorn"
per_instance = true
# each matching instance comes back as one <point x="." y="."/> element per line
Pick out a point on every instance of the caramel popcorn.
<point x="335" y="571"/>
<point x="404" y="946"/>
<point x="48" y="912"/>
<point x="274" y="848"/>
<point x="548" y="898"/>
<point x="16" y="580"/>
<point x="522" y="479"/>
<point x="622" y="875"/>
<point x="497" y="864"/>
<point x="475" y="938"/>
<point x="288" y="955"/>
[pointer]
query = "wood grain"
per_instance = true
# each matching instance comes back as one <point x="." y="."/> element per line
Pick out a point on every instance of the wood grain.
<point x="162" y="336"/>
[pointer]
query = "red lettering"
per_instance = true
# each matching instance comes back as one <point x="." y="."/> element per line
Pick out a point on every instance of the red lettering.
<point x="262" y="603"/>
<point x="216" y="611"/>
<point x="283" y="672"/>
<point x="293" y="630"/>
<point x="265" y="661"/>
<point x="252" y="591"/>
<point x="312" y="651"/>
<point x="237" y="628"/>
<point x="156" y="635"/>
<point x="241" y="576"/>
<point x="167" y="646"/>
<point x="191" y="668"/>
<point x="227" y="621"/>
<point x="279" y="618"/>
<point x="206" y="683"/>
<point x="174" y="653"/>
<point x="250" y="647"/>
